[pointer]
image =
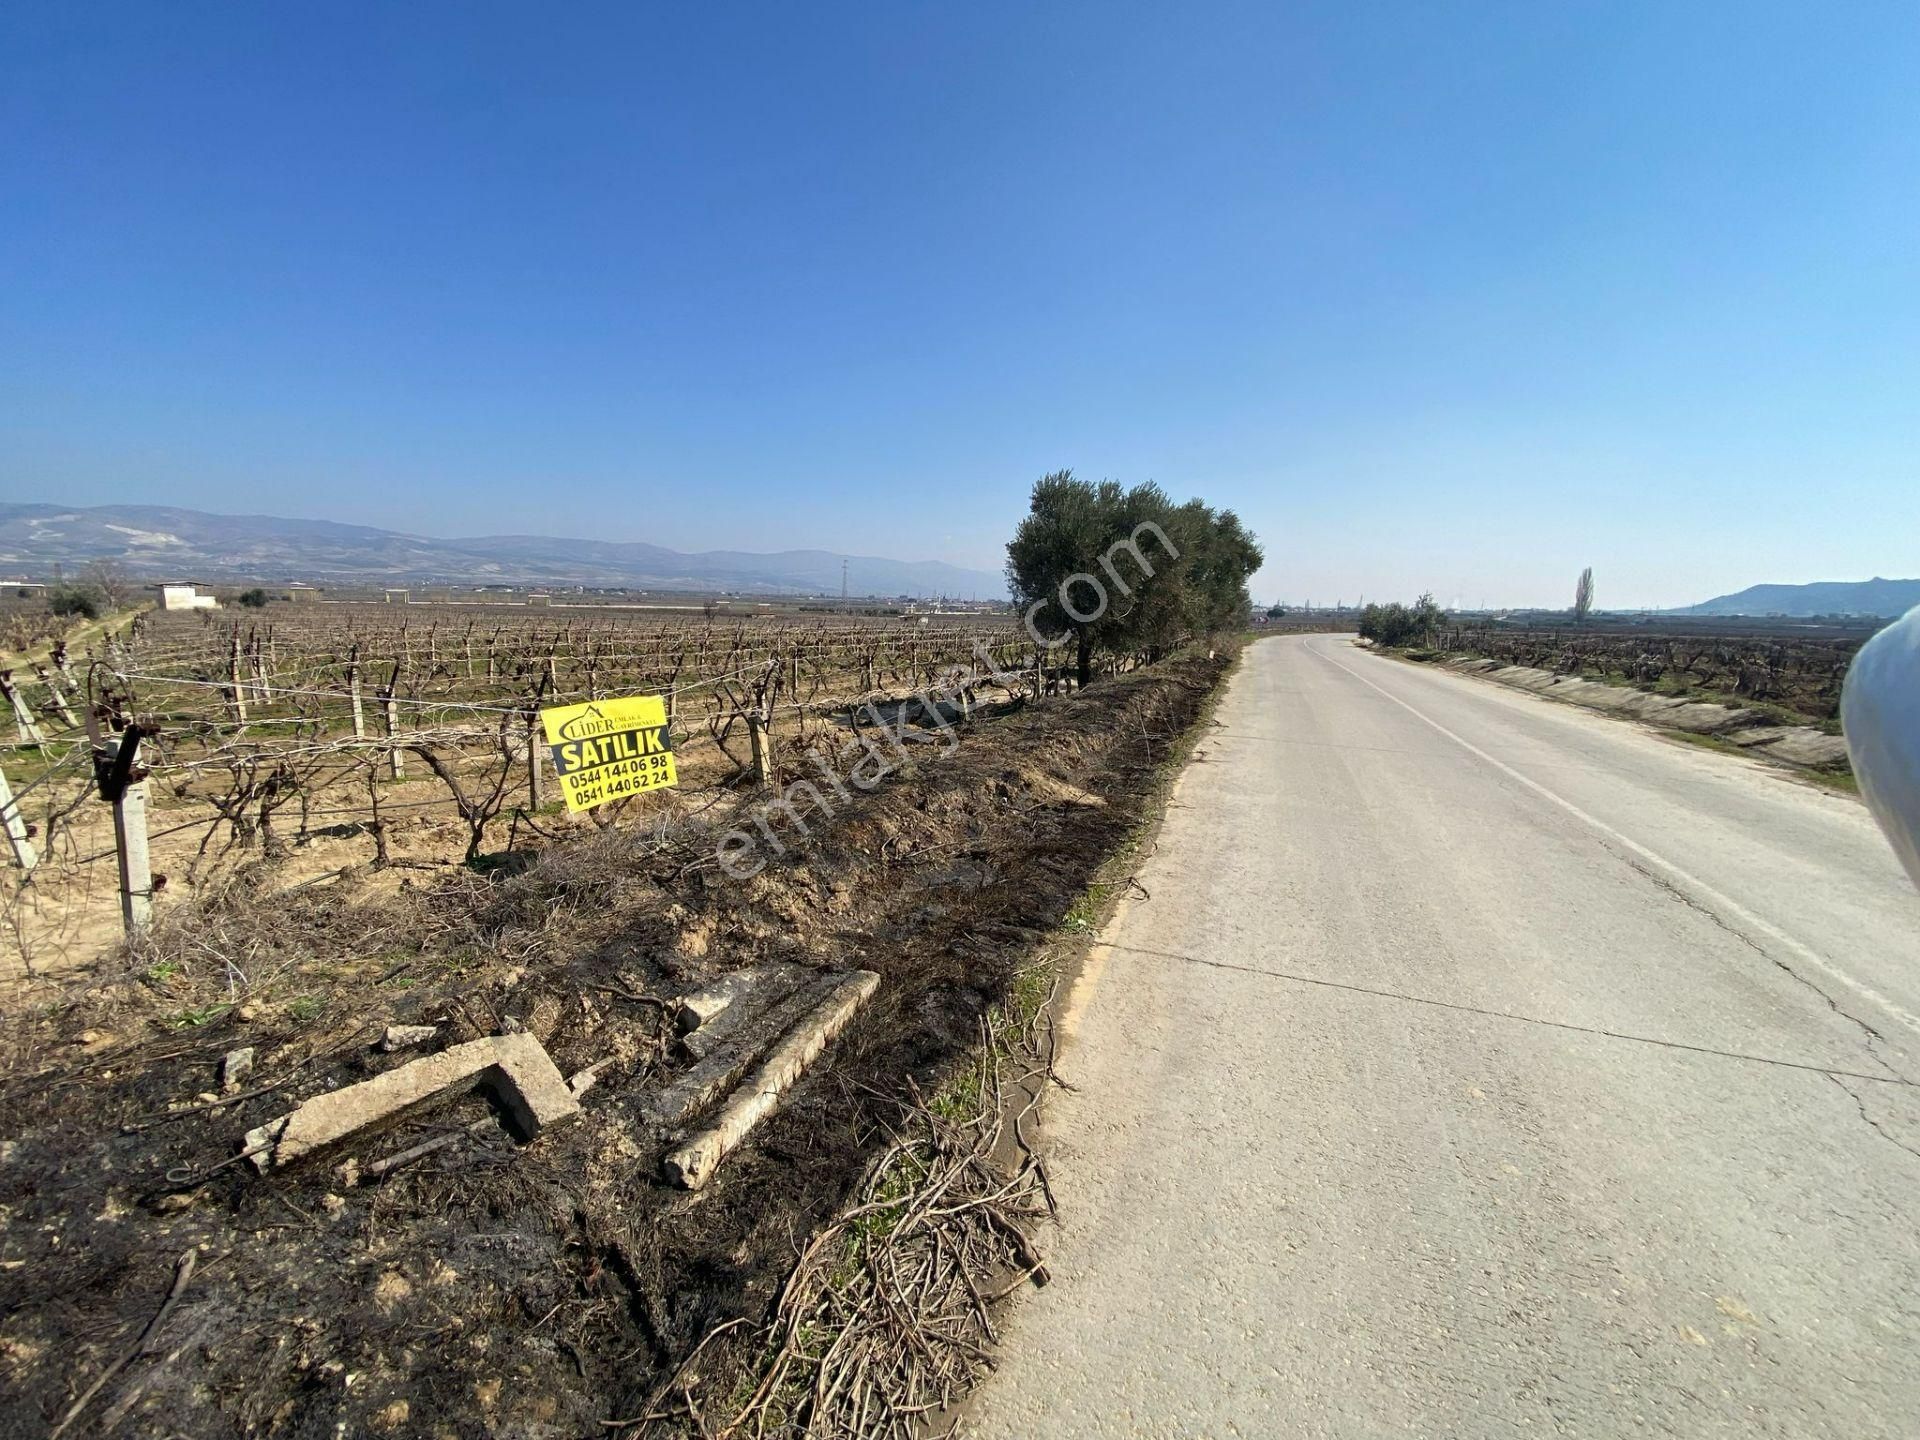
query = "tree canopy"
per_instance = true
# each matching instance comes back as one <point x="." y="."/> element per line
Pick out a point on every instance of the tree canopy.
<point x="1113" y="570"/>
<point x="1398" y="624"/>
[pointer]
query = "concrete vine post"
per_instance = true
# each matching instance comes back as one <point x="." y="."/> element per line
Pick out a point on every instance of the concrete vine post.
<point x="58" y="697"/>
<point x="15" y="825"/>
<point x="125" y="786"/>
<point x="22" y="715"/>
<point x="262" y="681"/>
<point x="762" y="750"/>
<point x="396" y="753"/>
<point x="760" y="725"/>
<point x="237" y="695"/>
<point x="353" y="693"/>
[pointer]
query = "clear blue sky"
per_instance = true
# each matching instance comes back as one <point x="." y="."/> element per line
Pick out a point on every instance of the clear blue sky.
<point x="1448" y="297"/>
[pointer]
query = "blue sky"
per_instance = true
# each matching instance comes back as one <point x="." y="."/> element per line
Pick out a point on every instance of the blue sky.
<point x="1448" y="297"/>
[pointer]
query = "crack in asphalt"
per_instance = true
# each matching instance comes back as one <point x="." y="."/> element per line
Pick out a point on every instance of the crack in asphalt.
<point x="1540" y="1020"/>
<point x="1661" y="882"/>
<point x="1873" y="1124"/>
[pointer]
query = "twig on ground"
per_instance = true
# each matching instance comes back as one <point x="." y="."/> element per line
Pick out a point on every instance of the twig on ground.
<point x="182" y="1273"/>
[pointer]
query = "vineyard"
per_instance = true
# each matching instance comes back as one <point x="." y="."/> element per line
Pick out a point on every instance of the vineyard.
<point x="299" y="745"/>
<point x="339" y="911"/>
<point x="1800" y="675"/>
<point x="353" y="837"/>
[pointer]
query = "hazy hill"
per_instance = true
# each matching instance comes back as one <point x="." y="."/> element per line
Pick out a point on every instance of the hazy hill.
<point x="155" y="541"/>
<point x="1823" y="597"/>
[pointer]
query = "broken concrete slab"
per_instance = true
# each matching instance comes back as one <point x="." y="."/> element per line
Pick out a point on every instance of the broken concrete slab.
<point x="702" y="1005"/>
<point x="404" y="1037"/>
<point x="516" y="1068"/>
<point x="746" y="1035"/>
<point x="582" y="1081"/>
<point x="753" y="990"/>
<point x="1644" y="706"/>
<point x="758" y="1096"/>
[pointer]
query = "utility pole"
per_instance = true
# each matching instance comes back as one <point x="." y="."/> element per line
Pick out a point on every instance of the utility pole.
<point x="843" y="583"/>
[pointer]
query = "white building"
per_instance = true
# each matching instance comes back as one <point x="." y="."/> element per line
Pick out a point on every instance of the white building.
<point x="185" y="597"/>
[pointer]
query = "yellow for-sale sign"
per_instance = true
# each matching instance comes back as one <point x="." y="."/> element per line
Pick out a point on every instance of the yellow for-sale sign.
<point x="610" y="749"/>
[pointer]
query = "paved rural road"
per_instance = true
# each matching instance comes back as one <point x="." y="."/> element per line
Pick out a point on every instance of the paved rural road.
<point x="1482" y="1066"/>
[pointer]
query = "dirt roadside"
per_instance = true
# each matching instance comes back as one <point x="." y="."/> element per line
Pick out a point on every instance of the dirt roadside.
<point x="496" y="1290"/>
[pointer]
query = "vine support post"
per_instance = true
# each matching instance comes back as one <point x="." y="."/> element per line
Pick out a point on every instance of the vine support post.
<point x="760" y="724"/>
<point x="18" y="841"/>
<point x="534" y="798"/>
<point x="237" y="696"/>
<point x="396" y="756"/>
<point x="262" y="683"/>
<point x="125" y="787"/>
<point x="762" y="750"/>
<point x="22" y="716"/>
<point x="59" y="698"/>
<point x="353" y="691"/>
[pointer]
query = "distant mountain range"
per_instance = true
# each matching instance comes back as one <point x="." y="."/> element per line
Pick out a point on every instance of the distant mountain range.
<point x="1824" y="597"/>
<point x="158" y="542"/>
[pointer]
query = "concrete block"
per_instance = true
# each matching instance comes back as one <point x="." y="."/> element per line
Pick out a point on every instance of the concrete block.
<point x="1760" y="735"/>
<point x="1803" y="745"/>
<point x="516" y="1068"/>
<point x="1703" y="719"/>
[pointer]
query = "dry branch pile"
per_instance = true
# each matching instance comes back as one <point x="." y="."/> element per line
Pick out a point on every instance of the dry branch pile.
<point x="887" y="1318"/>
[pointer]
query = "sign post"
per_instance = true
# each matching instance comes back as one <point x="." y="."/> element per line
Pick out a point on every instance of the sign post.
<point x="610" y="749"/>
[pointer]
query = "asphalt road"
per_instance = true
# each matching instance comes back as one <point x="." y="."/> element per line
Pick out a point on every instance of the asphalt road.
<point x="1482" y="1066"/>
